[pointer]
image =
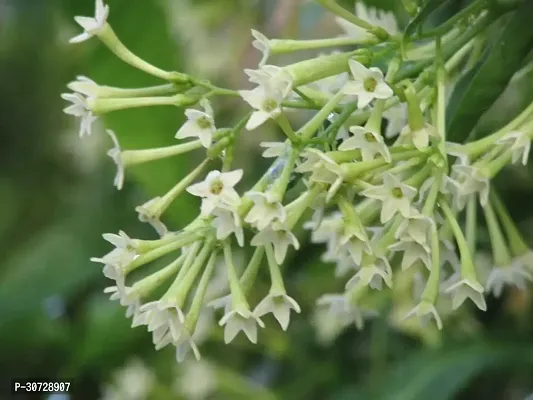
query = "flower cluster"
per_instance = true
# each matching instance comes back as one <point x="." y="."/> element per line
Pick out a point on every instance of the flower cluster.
<point x="377" y="183"/>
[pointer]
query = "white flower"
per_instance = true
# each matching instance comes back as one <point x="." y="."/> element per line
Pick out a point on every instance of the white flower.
<point x="133" y="382"/>
<point x="199" y="124"/>
<point x="512" y="275"/>
<point x="467" y="288"/>
<point x="262" y="44"/>
<point x="280" y="305"/>
<point x="84" y="85"/>
<point x="368" y="141"/>
<point x="147" y="215"/>
<point x="184" y="344"/>
<point x="526" y="260"/>
<point x="376" y="17"/>
<point x="425" y="311"/>
<point x="227" y="222"/>
<point x="417" y="227"/>
<point x="118" y="258"/>
<point x="273" y="149"/>
<point x="412" y="252"/>
<point x="420" y="137"/>
<point x="396" y="119"/>
<point x="217" y="190"/>
<point x="395" y="195"/>
<point x="267" y="209"/>
<point x="344" y="310"/>
<point x="465" y="181"/>
<point x="223" y="302"/>
<point x="280" y="238"/>
<point x="354" y="241"/>
<point x="520" y="144"/>
<point x="197" y="380"/>
<point x="240" y="319"/>
<point x="327" y="230"/>
<point x="164" y="319"/>
<point x="368" y="84"/>
<point x="373" y="16"/>
<point x="344" y="262"/>
<point x="92" y="26"/>
<point x="373" y="275"/>
<point x="266" y="100"/>
<point x="324" y="170"/>
<point x="79" y="108"/>
<point x="271" y="75"/>
<point x="125" y="295"/>
<point x="331" y="84"/>
<point x="115" y="154"/>
<point x="351" y="30"/>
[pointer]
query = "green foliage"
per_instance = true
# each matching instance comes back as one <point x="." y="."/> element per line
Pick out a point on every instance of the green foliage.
<point x="480" y="88"/>
<point x="53" y="217"/>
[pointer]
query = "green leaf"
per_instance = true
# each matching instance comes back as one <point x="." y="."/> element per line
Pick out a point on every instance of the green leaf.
<point x="104" y="338"/>
<point x="152" y="126"/>
<point x="417" y="22"/>
<point x="440" y="374"/>
<point x="478" y="90"/>
<point x="515" y="98"/>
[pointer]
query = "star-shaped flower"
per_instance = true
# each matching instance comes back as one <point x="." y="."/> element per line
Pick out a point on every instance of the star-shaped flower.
<point x="425" y="311"/>
<point x="267" y="209"/>
<point x="266" y="100"/>
<point x="372" y="274"/>
<point x="340" y="306"/>
<point x="465" y="181"/>
<point x="84" y="86"/>
<point x="262" y="44"/>
<point x="395" y="196"/>
<point x="217" y="190"/>
<point x="417" y="227"/>
<point x="280" y="238"/>
<point x="280" y="305"/>
<point x="412" y="252"/>
<point x="240" y="319"/>
<point x="227" y="222"/>
<point x="92" y="26"/>
<point x="520" y="144"/>
<point x="511" y="275"/>
<point x="274" y="149"/>
<point x="368" y="84"/>
<point x="271" y="75"/>
<point x="420" y="137"/>
<point x="200" y="124"/>
<point x="467" y="288"/>
<point x="368" y="141"/>
<point x="79" y="109"/>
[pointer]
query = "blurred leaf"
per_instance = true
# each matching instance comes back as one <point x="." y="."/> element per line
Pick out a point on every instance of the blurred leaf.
<point x="104" y="339"/>
<point x="479" y="89"/>
<point x="440" y="374"/>
<point x="147" y="127"/>
<point x="515" y="98"/>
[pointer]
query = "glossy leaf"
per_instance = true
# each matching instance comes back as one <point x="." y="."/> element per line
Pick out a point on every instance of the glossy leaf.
<point x="477" y="90"/>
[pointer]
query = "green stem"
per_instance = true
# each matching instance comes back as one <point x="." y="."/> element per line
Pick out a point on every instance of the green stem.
<point x="500" y="252"/>
<point x="133" y="157"/>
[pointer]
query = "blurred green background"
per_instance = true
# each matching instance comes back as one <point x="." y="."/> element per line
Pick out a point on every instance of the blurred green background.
<point x="57" y="199"/>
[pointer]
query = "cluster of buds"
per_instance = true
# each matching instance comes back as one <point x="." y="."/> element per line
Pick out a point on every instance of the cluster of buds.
<point x="370" y="174"/>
